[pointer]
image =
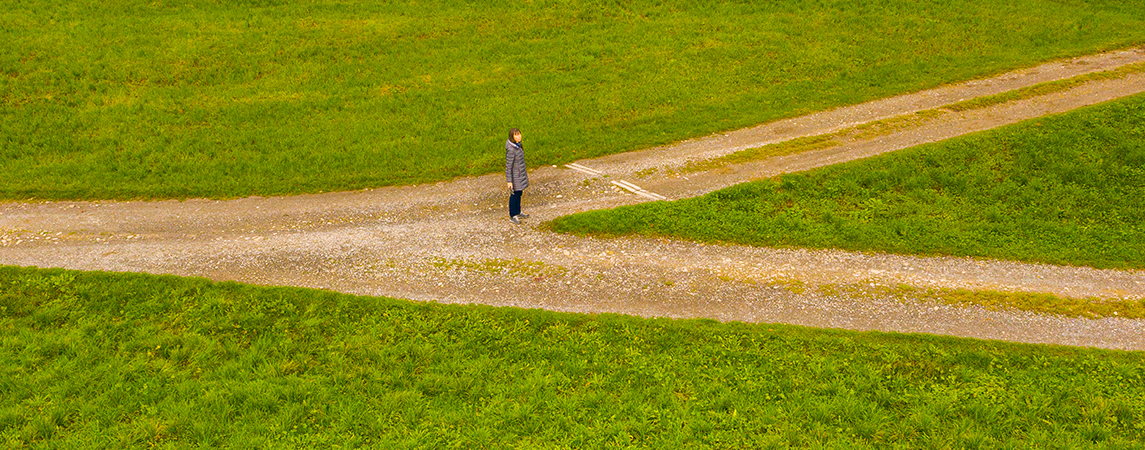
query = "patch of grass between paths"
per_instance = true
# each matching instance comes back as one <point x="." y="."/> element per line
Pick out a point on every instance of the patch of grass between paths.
<point x="97" y="360"/>
<point x="1065" y="189"/>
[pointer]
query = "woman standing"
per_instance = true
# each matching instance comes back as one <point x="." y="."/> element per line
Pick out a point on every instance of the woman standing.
<point x="515" y="174"/>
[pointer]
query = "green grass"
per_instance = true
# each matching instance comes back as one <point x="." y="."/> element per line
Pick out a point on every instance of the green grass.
<point x="1045" y="88"/>
<point x="820" y="141"/>
<point x="797" y="145"/>
<point x="1066" y="189"/>
<point x="1093" y="307"/>
<point x="98" y="360"/>
<point x="887" y="126"/>
<point x="1090" y="308"/>
<point x="233" y="98"/>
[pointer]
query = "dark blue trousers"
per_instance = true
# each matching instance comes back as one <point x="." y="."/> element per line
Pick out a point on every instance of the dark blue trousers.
<point x="515" y="203"/>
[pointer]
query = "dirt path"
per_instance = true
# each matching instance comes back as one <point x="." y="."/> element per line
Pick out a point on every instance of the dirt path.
<point x="451" y="241"/>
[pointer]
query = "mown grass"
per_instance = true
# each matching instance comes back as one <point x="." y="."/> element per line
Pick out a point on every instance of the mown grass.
<point x="98" y="360"/>
<point x="234" y="98"/>
<point x="1066" y="189"/>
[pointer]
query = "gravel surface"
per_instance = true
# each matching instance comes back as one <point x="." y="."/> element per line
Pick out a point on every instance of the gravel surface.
<point x="452" y="242"/>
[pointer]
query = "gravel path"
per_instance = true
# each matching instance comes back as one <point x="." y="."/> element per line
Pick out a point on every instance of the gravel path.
<point x="451" y="242"/>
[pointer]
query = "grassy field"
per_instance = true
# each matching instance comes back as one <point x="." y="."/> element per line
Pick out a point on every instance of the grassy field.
<point x="233" y="98"/>
<point x="97" y="360"/>
<point x="883" y="127"/>
<point x="1066" y="189"/>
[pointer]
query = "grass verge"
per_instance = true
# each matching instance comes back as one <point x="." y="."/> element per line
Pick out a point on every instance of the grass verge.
<point x="96" y="360"/>
<point x="202" y="98"/>
<point x="1063" y="190"/>
<point x="888" y="126"/>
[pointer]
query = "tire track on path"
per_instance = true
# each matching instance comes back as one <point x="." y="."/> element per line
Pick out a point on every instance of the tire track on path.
<point x="451" y="241"/>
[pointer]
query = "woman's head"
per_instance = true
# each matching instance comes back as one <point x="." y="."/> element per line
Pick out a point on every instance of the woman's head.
<point x="515" y="135"/>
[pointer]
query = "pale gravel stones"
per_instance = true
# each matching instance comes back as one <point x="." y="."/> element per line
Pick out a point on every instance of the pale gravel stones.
<point x="452" y="242"/>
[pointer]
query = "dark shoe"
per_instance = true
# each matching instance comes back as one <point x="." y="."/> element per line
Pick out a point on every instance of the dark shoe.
<point x="523" y="216"/>
<point x="515" y="219"/>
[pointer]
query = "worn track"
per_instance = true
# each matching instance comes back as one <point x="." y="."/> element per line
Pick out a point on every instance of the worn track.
<point x="452" y="242"/>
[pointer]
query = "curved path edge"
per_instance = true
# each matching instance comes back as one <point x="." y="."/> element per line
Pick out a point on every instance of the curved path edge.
<point x="451" y="241"/>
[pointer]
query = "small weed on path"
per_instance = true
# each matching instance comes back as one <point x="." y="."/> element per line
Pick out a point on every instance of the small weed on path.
<point x="1092" y="308"/>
